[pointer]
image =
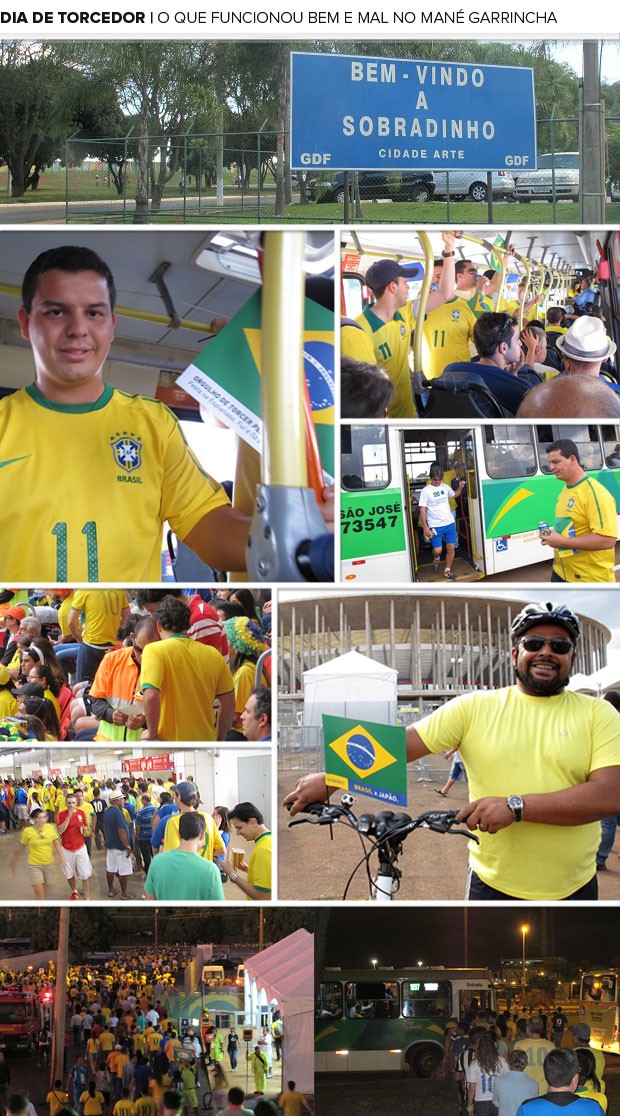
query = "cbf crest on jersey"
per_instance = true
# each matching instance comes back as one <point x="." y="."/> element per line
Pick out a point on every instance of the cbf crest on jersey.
<point x="456" y="315"/>
<point x="127" y="451"/>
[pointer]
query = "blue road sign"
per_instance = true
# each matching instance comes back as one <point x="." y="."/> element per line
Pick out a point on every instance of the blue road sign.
<point x="357" y="113"/>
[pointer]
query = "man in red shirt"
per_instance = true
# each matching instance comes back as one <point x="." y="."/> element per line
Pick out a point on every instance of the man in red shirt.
<point x="71" y="824"/>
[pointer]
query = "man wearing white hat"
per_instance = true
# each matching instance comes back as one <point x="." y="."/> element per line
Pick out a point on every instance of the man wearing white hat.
<point x="585" y="346"/>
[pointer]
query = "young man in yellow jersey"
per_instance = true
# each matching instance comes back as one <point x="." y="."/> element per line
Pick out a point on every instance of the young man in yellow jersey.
<point x="500" y="368"/>
<point x="543" y="765"/>
<point x="585" y="530"/>
<point x="248" y="822"/>
<point x="120" y="464"/>
<point x="390" y="320"/>
<point x="180" y="680"/>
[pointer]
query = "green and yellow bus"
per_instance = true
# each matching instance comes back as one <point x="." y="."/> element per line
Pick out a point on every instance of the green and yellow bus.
<point x="509" y="491"/>
<point x="392" y="1019"/>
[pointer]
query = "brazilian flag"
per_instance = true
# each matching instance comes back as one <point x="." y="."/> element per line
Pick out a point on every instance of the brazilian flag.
<point x="225" y="377"/>
<point x="366" y="758"/>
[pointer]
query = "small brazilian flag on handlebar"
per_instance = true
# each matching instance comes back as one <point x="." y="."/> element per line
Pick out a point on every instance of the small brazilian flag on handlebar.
<point x="363" y="757"/>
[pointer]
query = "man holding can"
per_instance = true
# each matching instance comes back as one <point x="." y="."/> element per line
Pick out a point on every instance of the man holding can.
<point x="585" y="529"/>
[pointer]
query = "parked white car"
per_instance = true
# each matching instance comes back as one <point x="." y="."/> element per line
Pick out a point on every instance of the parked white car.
<point x="473" y="184"/>
<point x="538" y="185"/>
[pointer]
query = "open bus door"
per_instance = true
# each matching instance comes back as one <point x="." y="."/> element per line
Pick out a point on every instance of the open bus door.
<point x="455" y="451"/>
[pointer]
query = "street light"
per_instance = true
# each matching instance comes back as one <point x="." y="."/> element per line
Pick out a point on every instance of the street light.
<point x="374" y="962"/>
<point x="524" y="932"/>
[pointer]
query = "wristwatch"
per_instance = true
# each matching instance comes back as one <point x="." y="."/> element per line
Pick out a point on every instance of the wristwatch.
<point x="233" y="876"/>
<point x="446" y="255"/>
<point x="516" y="804"/>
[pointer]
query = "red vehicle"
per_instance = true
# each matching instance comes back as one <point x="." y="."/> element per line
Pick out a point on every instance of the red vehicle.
<point x="19" y="1020"/>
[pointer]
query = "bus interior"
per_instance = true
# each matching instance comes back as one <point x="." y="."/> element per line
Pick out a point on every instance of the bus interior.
<point x="550" y="262"/>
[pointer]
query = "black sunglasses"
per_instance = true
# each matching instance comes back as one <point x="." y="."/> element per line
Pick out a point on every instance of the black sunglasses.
<point x="558" y="646"/>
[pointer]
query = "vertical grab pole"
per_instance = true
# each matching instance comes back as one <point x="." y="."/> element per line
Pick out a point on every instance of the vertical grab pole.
<point x="282" y="384"/>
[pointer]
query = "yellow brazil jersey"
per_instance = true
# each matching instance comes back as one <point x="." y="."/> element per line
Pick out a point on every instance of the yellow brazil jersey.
<point x="63" y="614"/>
<point x="121" y="467"/>
<point x="145" y="1106"/>
<point x="391" y="342"/>
<point x="212" y="845"/>
<point x="513" y="743"/>
<point x="188" y="675"/>
<point x="447" y="333"/>
<point x="124" y="1108"/>
<point x="582" y="509"/>
<point x="40" y="843"/>
<point x="259" y="871"/>
<point x="88" y="812"/>
<point x="512" y="307"/>
<point x="356" y="344"/>
<point x="102" y="609"/>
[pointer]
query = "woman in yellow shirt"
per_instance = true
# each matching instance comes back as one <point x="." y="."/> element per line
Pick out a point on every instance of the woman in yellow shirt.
<point x="92" y="1102"/>
<point x="43" y="842"/>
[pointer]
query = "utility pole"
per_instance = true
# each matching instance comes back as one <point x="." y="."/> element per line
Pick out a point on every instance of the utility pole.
<point x="592" y="138"/>
<point x="60" y="998"/>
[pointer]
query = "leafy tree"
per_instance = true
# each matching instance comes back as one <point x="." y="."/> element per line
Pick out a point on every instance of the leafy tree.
<point x="35" y="113"/>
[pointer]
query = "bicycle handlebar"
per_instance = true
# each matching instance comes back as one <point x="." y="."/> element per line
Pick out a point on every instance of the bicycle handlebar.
<point x="384" y="826"/>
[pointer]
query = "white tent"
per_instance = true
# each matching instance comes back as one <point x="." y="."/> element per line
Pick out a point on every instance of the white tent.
<point x="598" y="683"/>
<point x="350" y="686"/>
<point x="285" y="972"/>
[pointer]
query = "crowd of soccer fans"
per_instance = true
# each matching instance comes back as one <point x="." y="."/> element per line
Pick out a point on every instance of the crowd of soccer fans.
<point x="115" y="665"/>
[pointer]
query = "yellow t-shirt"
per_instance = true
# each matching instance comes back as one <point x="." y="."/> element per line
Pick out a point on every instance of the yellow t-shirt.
<point x="125" y="468"/>
<point x="124" y="1108"/>
<point x="93" y="1106"/>
<point x="102" y="610"/>
<point x="145" y="1106"/>
<point x="292" y="1102"/>
<point x="513" y="743"/>
<point x="57" y="1098"/>
<point x="106" y="1041"/>
<point x="259" y="870"/>
<point x="356" y="344"/>
<point x="63" y="614"/>
<point x="243" y="680"/>
<point x="537" y="1050"/>
<point x="447" y="333"/>
<point x="582" y="509"/>
<point x="40" y="843"/>
<point x="391" y="342"/>
<point x="189" y="676"/>
<point x="88" y="812"/>
<point x="212" y="846"/>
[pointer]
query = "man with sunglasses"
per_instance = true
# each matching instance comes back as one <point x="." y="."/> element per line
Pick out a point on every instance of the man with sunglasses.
<point x="543" y="765"/>
<point x="585" y="529"/>
<point x="449" y="328"/>
<point x="390" y="320"/>
<point x="500" y="368"/>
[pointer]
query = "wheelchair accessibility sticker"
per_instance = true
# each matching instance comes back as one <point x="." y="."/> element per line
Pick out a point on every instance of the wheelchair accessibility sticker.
<point x="501" y="545"/>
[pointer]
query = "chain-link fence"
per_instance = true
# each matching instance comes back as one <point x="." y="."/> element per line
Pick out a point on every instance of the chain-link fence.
<point x="226" y="176"/>
<point x="231" y="177"/>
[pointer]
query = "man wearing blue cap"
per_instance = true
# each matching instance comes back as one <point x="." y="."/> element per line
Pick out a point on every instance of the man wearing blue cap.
<point x="391" y="318"/>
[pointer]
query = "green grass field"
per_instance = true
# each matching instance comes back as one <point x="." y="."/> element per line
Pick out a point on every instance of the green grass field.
<point x="238" y="208"/>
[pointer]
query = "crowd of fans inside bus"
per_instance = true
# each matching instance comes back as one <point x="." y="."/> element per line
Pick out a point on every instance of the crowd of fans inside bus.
<point x="110" y="665"/>
<point x="482" y="353"/>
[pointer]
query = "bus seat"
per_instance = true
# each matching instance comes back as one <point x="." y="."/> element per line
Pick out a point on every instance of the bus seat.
<point x="462" y="400"/>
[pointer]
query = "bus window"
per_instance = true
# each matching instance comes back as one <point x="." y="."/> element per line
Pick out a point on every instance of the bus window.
<point x="365" y="458"/>
<point x="584" y="437"/>
<point x="509" y="452"/>
<point x="329" y="1002"/>
<point x="611" y="445"/>
<point x="372" y="999"/>
<point x="599" y="989"/>
<point x="353" y="295"/>
<point x="427" y="999"/>
<point x="482" y="1000"/>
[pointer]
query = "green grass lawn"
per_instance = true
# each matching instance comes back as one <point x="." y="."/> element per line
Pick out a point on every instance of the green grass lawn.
<point x="240" y="207"/>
